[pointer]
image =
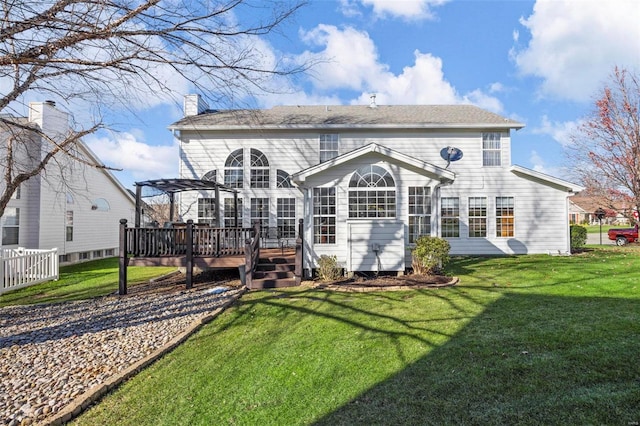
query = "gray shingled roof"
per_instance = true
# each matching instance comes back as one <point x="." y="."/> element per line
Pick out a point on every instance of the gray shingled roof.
<point x="352" y="116"/>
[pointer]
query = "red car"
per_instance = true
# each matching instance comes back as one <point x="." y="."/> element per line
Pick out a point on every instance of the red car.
<point x="623" y="236"/>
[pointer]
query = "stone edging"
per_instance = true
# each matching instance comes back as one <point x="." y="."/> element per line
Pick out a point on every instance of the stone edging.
<point x="355" y="288"/>
<point x="82" y="402"/>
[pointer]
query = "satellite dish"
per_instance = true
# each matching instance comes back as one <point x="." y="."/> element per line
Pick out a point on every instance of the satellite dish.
<point x="450" y="154"/>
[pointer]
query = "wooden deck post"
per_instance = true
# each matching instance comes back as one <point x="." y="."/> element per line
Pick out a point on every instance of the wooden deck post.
<point x="299" y="257"/>
<point x="189" y="260"/>
<point x="122" y="262"/>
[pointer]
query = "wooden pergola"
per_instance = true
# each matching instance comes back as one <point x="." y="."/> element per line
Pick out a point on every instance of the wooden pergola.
<point x="172" y="186"/>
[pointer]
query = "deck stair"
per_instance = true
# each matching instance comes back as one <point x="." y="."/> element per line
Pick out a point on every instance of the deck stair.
<point x="274" y="272"/>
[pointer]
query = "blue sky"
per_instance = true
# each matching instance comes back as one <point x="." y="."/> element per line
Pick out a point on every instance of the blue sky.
<point x="539" y="62"/>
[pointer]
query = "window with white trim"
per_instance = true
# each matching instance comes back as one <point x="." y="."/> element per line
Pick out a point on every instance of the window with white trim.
<point x="329" y="146"/>
<point x="324" y="215"/>
<point x="283" y="179"/>
<point x="491" y="149"/>
<point x="286" y="217"/>
<point x="69" y="225"/>
<point x="230" y="213"/>
<point x="477" y="217"/>
<point x="419" y="212"/>
<point x="450" y="217"/>
<point x="372" y="193"/>
<point x="210" y="176"/>
<point x="206" y="210"/>
<point x="234" y="169"/>
<point x="11" y="226"/>
<point x="505" y="216"/>
<point x="259" y="175"/>
<point x="260" y="213"/>
<point x="16" y="193"/>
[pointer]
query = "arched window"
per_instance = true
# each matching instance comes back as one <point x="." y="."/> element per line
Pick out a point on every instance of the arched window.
<point x="101" y="205"/>
<point x="211" y="176"/>
<point x="259" y="169"/>
<point x="372" y="193"/>
<point x="234" y="169"/>
<point x="283" y="180"/>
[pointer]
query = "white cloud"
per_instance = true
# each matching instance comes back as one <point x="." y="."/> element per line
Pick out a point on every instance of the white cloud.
<point x="560" y="131"/>
<point x="349" y="60"/>
<point x="129" y="152"/>
<point x="406" y="9"/>
<point x="575" y="44"/>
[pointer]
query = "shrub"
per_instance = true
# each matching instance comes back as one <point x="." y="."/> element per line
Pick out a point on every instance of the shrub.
<point x="328" y="268"/>
<point x="430" y="255"/>
<point x="578" y="236"/>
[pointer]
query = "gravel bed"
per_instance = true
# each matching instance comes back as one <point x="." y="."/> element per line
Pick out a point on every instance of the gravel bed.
<point x="50" y="354"/>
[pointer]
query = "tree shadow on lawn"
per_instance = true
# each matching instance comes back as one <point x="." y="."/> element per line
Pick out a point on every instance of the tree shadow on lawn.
<point x="526" y="359"/>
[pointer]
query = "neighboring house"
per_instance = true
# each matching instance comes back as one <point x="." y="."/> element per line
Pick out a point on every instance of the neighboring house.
<point x="369" y="180"/>
<point x="71" y="206"/>
<point x="582" y="210"/>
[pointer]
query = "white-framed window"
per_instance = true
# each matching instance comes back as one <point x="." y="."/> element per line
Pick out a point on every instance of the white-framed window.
<point x="259" y="170"/>
<point x="230" y="213"/>
<point x="11" y="226"/>
<point x="234" y="169"/>
<point x="372" y="193"/>
<point x="491" y="149"/>
<point x="477" y="217"/>
<point x="450" y="217"/>
<point x="210" y="176"/>
<point x="16" y="194"/>
<point x="260" y="213"/>
<point x="505" y="216"/>
<point x="283" y="179"/>
<point x="329" y="146"/>
<point x="69" y="226"/>
<point x="207" y="210"/>
<point x="101" y="205"/>
<point x="324" y="215"/>
<point x="286" y="217"/>
<point x="70" y="199"/>
<point x="419" y="212"/>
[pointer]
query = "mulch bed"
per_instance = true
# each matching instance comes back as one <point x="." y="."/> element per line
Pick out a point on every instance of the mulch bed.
<point x="389" y="283"/>
<point x="175" y="282"/>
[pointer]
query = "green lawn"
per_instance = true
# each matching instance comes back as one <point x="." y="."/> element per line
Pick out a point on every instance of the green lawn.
<point x="81" y="281"/>
<point x="521" y="340"/>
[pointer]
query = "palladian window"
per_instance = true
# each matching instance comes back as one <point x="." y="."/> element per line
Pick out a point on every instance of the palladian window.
<point x="372" y="193"/>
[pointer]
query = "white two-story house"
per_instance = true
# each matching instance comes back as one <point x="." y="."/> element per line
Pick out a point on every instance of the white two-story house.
<point x="368" y="180"/>
<point x="71" y="205"/>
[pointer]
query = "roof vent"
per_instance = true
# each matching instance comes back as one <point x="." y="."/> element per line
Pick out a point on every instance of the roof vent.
<point x="50" y="103"/>
<point x="372" y="103"/>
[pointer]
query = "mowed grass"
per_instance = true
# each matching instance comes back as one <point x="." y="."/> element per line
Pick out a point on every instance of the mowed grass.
<point x="520" y="340"/>
<point x="81" y="281"/>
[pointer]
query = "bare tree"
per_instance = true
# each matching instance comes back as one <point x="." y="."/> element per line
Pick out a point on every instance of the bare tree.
<point x="606" y="146"/>
<point x="117" y="52"/>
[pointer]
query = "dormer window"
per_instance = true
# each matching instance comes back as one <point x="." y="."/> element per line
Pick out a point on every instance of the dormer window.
<point x="491" y="150"/>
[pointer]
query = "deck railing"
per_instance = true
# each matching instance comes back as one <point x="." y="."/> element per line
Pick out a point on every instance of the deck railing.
<point x="206" y="241"/>
<point x="24" y="267"/>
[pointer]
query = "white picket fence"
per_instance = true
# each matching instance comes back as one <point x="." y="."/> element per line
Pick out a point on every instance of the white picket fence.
<point x="24" y="267"/>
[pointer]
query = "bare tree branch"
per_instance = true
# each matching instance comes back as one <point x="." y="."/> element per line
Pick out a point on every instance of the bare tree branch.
<point x="117" y="52"/>
<point x="606" y="147"/>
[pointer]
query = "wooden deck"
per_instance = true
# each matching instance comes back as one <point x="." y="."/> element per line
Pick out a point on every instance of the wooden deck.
<point x="192" y="246"/>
